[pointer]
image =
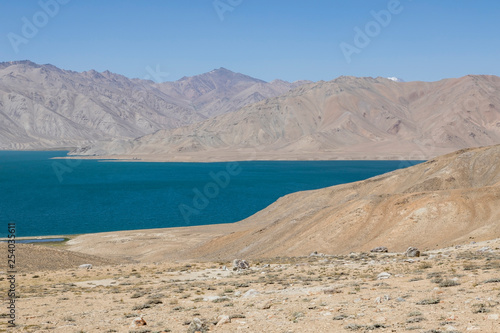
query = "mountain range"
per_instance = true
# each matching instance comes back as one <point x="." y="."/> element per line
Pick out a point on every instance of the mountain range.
<point x="349" y="117"/>
<point x="44" y="107"/>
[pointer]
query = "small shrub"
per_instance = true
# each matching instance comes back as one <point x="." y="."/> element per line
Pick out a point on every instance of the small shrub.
<point x="429" y="301"/>
<point x="138" y="294"/>
<point x="141" y="307"/>
<point x="414" y="320"/>
<point x="414" y="314"/>
<point x="449" y="283"/>
<point x="425" y="265"/>
<point x="480" y="308"/>
<point x="354" y="327"/>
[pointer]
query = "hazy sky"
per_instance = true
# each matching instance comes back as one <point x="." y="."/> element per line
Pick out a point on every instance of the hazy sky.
<point x="286" y="39"/>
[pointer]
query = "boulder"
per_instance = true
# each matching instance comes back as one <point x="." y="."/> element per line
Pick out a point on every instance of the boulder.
<point x="197" y="325"/>
<point x="412" y="252"/>
<point x="380" y="249"/>
<point x="223" y="319"/>
<point x="239" y="264"/>
<point x="383" y="275"/>
<point x="137" y="322"/>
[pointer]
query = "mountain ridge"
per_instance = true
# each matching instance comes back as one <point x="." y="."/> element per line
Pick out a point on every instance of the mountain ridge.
<point x="45" y="107"/>
<point x="347" y="117"/>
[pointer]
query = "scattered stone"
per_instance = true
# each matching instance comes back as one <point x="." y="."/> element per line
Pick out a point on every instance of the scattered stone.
<point x="380" y="249"/>
<point x="137" y="322"/>
<point x="251" y="293"/>
<point x="239" y="264"/>
<point x="85" y="266"/>
<point x="412" y="252"/>
<point x="484" y="249"/>
<point x="197" y="325"/>
<point x="493" y="316"/>
<point x="383" y="275"/>
<point x="223" y="319"/>
<point x="379" y="299"/>
<point x="266" y="305"/>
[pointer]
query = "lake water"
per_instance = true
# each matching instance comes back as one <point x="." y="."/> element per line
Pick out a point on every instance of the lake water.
<point x="61" y="197"/>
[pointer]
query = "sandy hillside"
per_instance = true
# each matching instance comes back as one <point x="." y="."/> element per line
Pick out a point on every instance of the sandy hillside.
<point x="450" y="200"/>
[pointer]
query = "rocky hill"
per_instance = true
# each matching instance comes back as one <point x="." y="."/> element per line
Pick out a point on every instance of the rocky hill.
<point x="363" y="118"/>
<point x="42" y="106"/>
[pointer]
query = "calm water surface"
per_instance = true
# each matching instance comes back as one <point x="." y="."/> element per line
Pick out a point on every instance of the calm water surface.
<point x="56" y="197"/>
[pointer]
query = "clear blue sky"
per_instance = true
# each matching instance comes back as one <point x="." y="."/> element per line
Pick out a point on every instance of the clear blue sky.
<point x="287" y="39"/>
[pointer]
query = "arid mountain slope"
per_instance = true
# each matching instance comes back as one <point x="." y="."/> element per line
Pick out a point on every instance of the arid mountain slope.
<point x="444" y="201"/>
<point x="450" y="200"/>
<point x="42" y="106"/>
<point x="221" y="91"/>
<point x="345" y="118"/>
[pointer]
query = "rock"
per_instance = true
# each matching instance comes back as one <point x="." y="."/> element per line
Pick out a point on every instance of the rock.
<point x="266" y="305"/>
<point x="484" y="249"/>
<point x="197" y="325"/>
<point x="412" y="252"/>
<point x="223" y="319"/>
<point x="215" y="298"/>
<point x="400" y="299"/>
<point x="239" y="264"/>
<point x="493" y="316"/>
<point x="383" y="275"/>
<point x="251" y="293"/>
<point x="380" y="249"/>
<point x="137" y="322"/>
<point x="86" y="266"/>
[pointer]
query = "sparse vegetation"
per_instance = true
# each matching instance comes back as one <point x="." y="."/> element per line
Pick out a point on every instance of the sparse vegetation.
<point x="289" y="290"/>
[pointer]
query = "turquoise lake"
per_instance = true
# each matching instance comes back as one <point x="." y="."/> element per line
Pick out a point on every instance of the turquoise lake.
<point x="45" y="196"/>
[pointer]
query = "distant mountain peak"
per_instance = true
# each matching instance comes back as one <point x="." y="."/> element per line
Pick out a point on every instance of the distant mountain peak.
<point x="395" y="79"/>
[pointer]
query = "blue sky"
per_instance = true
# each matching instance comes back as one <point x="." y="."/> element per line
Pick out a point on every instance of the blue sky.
<point x="286" y="39"/>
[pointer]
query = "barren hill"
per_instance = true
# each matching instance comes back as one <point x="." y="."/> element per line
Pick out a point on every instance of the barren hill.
<point x="363" y="118"/>
<point x="42" y="106"/>
<point x="446" y="201"/>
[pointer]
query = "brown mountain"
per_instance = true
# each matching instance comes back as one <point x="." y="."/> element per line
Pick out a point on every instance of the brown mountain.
<point x="42" y="106"/>
<point x="349" y="117"/>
